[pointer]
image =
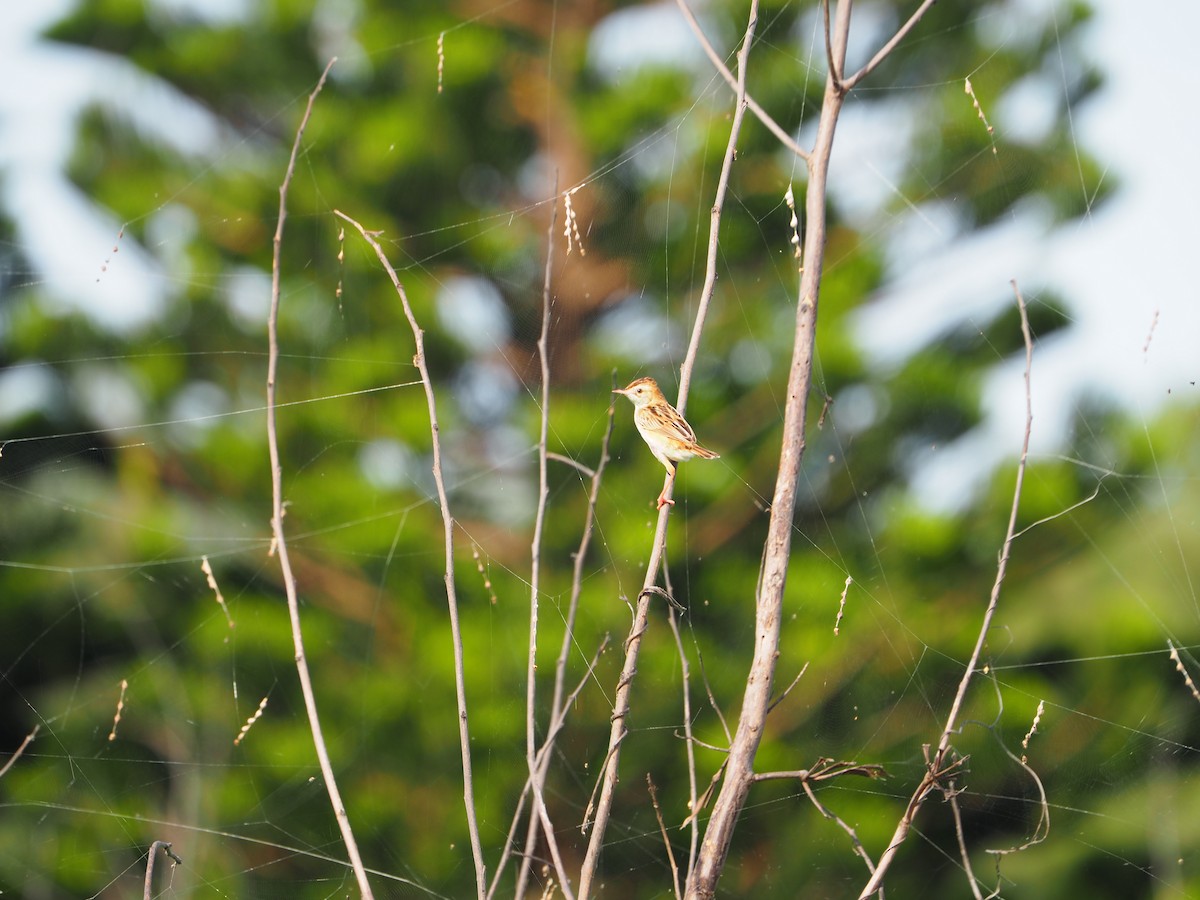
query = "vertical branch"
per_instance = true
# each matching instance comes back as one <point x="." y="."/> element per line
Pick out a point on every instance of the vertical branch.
<point x="756" y="700"/>
<point x="538" y="812"/>
<point x="464" y="731"/>
<point x="937" y="764"/>
<point x="280" y="542"/>
<point x="619" y="729"/>
<point x="714" y="217"/>
<point x="685" y="677"/>
<point x="558" y="705"/>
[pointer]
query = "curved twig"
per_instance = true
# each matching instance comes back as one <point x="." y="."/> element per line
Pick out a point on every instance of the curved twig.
<point x="279" y="540"/>
<point x="148" y="886"/>
<point x="464" y="731"/>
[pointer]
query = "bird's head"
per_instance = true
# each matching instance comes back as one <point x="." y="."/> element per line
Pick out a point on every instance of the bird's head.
<point x="642" y="392"/>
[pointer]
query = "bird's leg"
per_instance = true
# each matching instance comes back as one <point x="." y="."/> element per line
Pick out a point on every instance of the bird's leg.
<point x="663" y="499"/>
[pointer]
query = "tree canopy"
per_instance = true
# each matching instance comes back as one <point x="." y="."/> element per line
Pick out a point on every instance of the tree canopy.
<point x="454" y="132"/>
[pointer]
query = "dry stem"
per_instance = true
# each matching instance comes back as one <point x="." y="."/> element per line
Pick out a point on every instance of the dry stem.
<point x="560" y="704"/>
<point x="148" y="886"/>
<point x="279" y="541"/>
<point x="619" y="730"/>
<point x="719" y="64"/>
<point x="539" y="812"/>
<point x="17" y="753"/>
<point x="464" y="731"/>
<point x="772" y="580"/>
<point x="938" y="763"/>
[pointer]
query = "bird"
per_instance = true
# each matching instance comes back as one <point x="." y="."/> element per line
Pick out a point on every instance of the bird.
<point x="667" y="433"/>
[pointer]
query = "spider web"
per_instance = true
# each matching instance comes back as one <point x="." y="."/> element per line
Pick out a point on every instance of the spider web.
<point x="146" y="630"/>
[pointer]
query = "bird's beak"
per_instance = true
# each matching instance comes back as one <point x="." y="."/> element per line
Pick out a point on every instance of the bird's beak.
<point x="619" y="390"/>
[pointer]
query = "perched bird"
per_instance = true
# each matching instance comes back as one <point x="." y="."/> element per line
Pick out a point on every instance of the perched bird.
<point x="668" y="435"/>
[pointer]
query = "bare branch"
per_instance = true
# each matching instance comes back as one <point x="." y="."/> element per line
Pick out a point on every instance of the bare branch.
<point x="961" y="837"/>
<point x="787" y="690"/>
<point x="719" y="64"/>
<point x="776" y="552"/>
<point x="712" y="701"/>
<point x="850" y="83"/>
<point x="278" y="539"/>
<point x="835" y="71"/>
<point x="539" y="802"/>
<point x="148" y="887"/>
<point x="573" y="463"/>
<point x="688" y="735"/>
<point x="556" y="726"/>
<point x="714" y="218"/>
<point x="937" y="764"/>
<point x="619" y="728"/>
<point x="464" y="731"/>
<point x="21" y="749"/>
<point x="859" y="849"/>
<point x="662" y="829"/>
<point x="826" y="770"/>
<point x="558" y="706"/>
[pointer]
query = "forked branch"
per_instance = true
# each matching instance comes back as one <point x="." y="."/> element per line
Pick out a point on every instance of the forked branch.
<point x="739" y="769"/>
<point x="619" y="729"/>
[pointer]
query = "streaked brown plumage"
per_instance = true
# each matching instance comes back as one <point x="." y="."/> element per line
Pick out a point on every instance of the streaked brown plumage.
<point x="667" y="434"/>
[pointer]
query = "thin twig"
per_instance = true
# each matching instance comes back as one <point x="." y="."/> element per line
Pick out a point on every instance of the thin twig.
<point x="17" y="753"/>
<point x="558" y="705"/>
<point x="556" y="726"/>
<point x="573" y="463"/>
<point x="787" y="690"/>
<point x="714" y="216"/>
<point x="662" y="829"/>
<point x="539" y="812"/>
<point x="961" y="838"/>
<point x="835" y="71"/>
<point x="719" y="64"/>
<point x="826" y="769"/>
<point x="712" y="701"/>
<point x="278" y="539"/>
<point x="849" y="84"/>
<point x="685" y="677"/>
<point x="154" y="848"/>
<point x="464" y="731"/>
<point x="619" y="729"/>
<point x="1041" y="830"/>
<point x="859" y="849"/>
<point x="937" y="764"/>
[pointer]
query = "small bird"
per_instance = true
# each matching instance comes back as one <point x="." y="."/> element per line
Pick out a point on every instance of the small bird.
<point x="667" y="434"/>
